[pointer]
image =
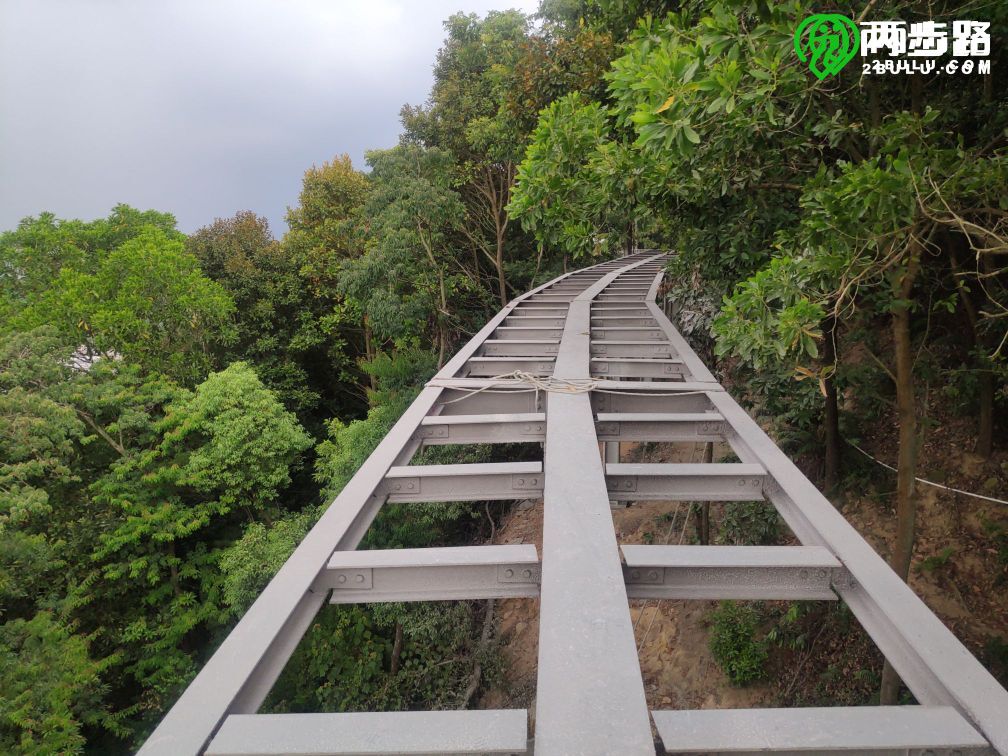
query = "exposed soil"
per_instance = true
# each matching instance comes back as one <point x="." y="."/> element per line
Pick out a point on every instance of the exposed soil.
<point x="678" y="669"/>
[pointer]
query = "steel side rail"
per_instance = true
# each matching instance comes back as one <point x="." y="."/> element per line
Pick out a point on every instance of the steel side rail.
<point x="937" y="668"/>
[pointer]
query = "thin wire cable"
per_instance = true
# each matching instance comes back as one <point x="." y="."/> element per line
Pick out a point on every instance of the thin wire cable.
<point x="930" y="482"/>
<point x="667" y="537"/>
<point x="654" y="615"/>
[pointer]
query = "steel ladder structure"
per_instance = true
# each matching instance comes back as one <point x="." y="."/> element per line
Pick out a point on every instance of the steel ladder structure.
<point x="617" y="370"/>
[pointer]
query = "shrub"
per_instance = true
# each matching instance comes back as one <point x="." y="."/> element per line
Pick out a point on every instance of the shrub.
<point x="734" y="641"/>
<point x="750" y="523"/>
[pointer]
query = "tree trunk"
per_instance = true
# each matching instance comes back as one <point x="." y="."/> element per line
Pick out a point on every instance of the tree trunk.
<point x="442" y="327"/>
<point x="369" y="350"/>
<point x="831" y="416"/>
<point x="985" y="376"/>
<point x="396" y="649"/>
<point x="501" y="283"/>
<point x="906" y="412"/>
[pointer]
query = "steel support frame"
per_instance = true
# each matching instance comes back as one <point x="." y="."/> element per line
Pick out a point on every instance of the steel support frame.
<point x="590" y="696"/>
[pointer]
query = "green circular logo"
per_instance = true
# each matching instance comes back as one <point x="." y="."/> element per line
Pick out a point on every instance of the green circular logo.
<point x="826" y="42"/>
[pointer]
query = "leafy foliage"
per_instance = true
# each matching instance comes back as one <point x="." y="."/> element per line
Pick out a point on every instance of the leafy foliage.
<point x="736" y="644"/>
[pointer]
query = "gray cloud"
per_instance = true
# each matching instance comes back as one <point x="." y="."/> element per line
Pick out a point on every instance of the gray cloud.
<point x="201" y="107"/>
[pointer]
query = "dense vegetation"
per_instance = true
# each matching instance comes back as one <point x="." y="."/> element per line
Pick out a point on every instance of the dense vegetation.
<point x="177" y="410"/>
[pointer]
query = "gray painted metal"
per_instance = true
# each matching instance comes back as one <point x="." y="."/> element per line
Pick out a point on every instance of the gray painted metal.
<point x="787" y="573"/>
<point x="237" y="678"/>
<point x="481" y="482"/>
<point x="439" y="574"/>
<point x="726" y="481"/>
<point x="590" y="696"/>
<point x="483" y="429"/>
<point x="660" y="426"/>
<point x="417" y="733"/>
<point x="880" y="730"/>
<point x="589" y="674"/>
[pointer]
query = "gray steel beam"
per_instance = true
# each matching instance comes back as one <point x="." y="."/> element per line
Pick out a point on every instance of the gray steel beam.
<point x="875" y="730"/>
<point x="482" y="429"/>
<point x="628" y="333"/>
<point x="785" y="573"/>
<point x="649" y="389"/>
<point x="635" y="402"/>
<point x="657" y="388"/>
<point x="685" y="482"/>
<point x="535" y="321"/>
<point x="490" y="481"/>
<point x="605" y="321"/>
<point x="480" y="367"/>
<point x="502" y="401"/>
<point x="436" y="574"/>
<point x="515" y="348"/>
<point x="525" y="333"/>
<point x="637" y="367"/>
<point x="696" y="370"/>
<point x="589" y="675"/>
<point x="408" y="733"/>
<point x="660" y="426"/>
<point x="659" y="349"/>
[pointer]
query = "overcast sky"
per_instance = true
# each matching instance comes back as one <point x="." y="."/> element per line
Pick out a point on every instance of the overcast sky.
<point x="202" y="108"/>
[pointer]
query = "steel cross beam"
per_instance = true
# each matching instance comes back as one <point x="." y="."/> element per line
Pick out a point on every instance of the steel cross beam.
<point x="646" y="384"/>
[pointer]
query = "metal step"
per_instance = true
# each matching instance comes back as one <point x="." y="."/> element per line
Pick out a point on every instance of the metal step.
<point x="632" y="349"/>
<point x="627" y="333"/>
<point x="524" y="333"/>
<point x="835" y="729"/>
<point x="603" y="321"/>
<point x="534" y="321"/>
<point x="784" y="573"/>
<point x="482" y="429"/>
<point x="439" y="574"/>
<point x="488" y="481"/>
<point x="717" y="481"/>
<point x="486" y="367"/>
<point x="469" y="731"/>
<point x="637" y="367"/>
<point x="515" y="348"/>
<point x="659" y="426"/>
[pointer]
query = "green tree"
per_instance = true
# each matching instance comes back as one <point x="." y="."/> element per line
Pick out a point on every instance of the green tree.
<point x="33" y="255"/>
<point x="463" y="116"/>
<point x="577" y="188"/>
<point x="326" y="230"/>
<point x="146" y="300"/>
<point x="280" y="321"/>
<point x="222" y="455"/>
<point x="410" y="276"/>
<point x="50" y="688"/>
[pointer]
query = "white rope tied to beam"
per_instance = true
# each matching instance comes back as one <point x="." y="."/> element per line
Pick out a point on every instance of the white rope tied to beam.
<point x="548" y="384"/>
<point x="930" y="482"/>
